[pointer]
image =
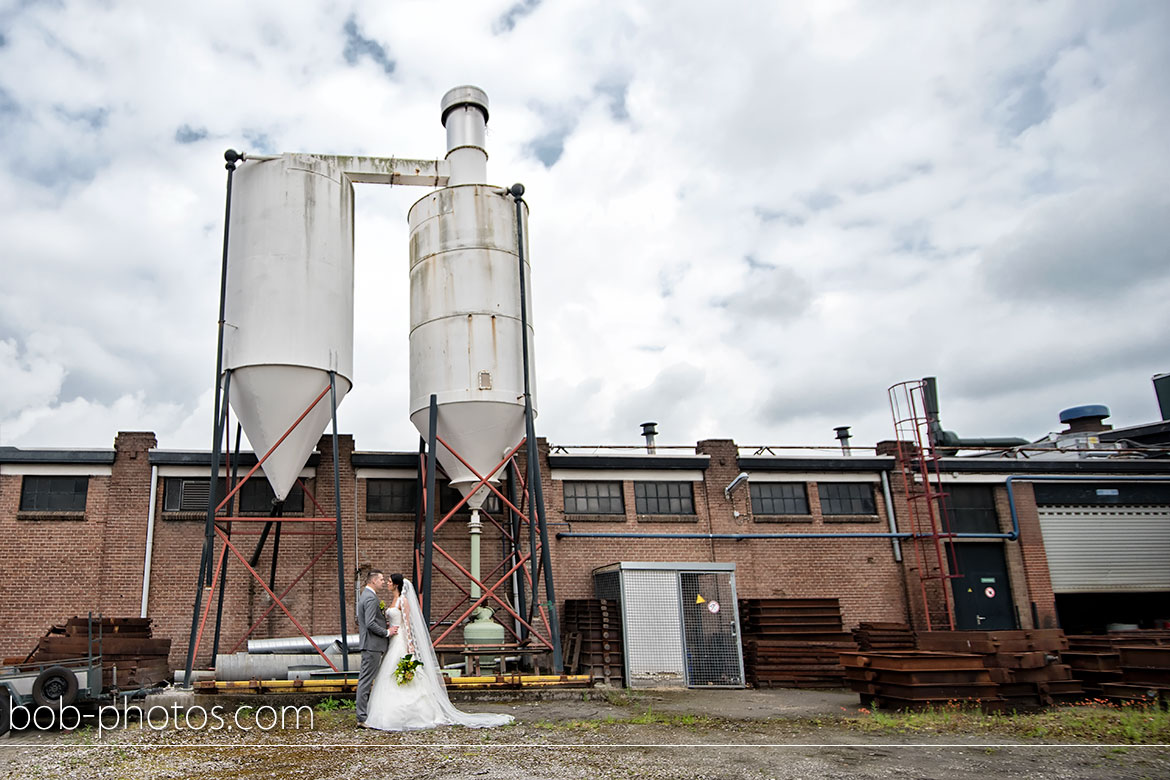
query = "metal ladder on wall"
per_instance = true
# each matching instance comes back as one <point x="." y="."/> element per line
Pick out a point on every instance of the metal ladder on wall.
<point x="929" y="520"/>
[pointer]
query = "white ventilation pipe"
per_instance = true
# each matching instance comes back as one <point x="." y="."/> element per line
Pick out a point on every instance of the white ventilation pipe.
<point x="465" y="116"/>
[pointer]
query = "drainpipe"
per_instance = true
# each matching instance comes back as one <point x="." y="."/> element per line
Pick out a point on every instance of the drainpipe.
<point x="890" y="516"/>
<point x="149" y="539"/>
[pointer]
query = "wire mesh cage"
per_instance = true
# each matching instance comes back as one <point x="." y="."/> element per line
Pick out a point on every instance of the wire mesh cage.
<point x="681" y="623"/>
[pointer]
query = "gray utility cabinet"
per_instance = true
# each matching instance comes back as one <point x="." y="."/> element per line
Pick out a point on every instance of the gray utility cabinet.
<point x="680" y="622"/>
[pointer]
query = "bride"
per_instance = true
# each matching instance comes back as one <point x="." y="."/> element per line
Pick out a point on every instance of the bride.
<point x="421" y="703"/>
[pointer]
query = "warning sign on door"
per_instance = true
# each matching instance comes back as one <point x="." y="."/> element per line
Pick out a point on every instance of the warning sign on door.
<point x="989" y="592"/>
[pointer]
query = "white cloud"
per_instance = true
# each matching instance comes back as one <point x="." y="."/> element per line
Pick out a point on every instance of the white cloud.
<point x="970" y="191"/>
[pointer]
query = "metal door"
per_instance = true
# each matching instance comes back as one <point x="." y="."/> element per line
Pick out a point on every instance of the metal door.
<point x="710" y="629"/>
<point x="650" y="625"/>
<point x="1102" y="549"/>
<point x="983" y="597"/>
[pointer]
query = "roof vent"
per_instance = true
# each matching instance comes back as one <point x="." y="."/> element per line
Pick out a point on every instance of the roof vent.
<point x="1086" y="419"/>
<point x="650" y="431"/>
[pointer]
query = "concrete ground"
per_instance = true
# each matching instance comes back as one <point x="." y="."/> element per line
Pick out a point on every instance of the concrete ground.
<point x="574" y="734"/>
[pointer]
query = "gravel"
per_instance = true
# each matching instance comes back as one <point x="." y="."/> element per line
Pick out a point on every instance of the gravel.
<point x="707" y="734"/>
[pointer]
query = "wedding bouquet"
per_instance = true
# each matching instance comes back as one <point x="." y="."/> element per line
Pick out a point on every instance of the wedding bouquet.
<point x="404" y="672"/>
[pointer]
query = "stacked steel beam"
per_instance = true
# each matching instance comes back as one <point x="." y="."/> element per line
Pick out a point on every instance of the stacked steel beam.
<point x="793" y="643"/>
<point x="592" y="639"/>
<point x="917" y="679"/>
<point x="884" y="636"/>
<point x="1129" y="665"/>
<point x="1026" y="665"/>
<point x="130" y="657"/>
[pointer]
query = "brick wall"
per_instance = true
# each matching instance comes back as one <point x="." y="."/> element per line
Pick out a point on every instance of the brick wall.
<point x="56" y="567"/>
<point x="51" y="565"/>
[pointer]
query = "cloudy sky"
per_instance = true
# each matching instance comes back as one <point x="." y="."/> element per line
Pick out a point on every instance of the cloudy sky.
<point x="748" y="219"/>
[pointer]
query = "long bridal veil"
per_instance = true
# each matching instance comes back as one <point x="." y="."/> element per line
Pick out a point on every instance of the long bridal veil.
<point x="425" y="651"/>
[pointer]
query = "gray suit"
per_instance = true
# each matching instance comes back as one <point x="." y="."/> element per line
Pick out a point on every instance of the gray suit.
<point x="374" y="640"/>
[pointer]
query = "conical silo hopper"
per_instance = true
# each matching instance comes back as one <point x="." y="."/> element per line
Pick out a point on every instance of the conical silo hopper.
<point x="465" y="325"/>
<point x="288" y="304"/>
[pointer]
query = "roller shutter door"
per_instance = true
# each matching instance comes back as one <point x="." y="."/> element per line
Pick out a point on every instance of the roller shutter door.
<point x="1107" y="548"/>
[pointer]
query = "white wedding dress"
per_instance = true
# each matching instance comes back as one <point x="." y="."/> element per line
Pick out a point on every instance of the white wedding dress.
<point x="421" y="703"/>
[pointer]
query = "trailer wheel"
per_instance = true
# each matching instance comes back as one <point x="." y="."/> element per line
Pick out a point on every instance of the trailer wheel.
<point x="5" y="711"/>
<point x="56" y="686"/>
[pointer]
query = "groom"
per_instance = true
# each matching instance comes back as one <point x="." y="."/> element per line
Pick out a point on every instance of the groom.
<point x="374" y="638"/>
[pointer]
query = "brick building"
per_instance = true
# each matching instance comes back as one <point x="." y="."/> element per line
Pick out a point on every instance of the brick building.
<point x="1093" y="534"/>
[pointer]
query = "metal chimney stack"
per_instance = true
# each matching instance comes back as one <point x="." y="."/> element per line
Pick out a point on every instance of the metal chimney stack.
<point x="465" y="116"/>
<point x="650" y="431"/>
<point x="844" y="437"/>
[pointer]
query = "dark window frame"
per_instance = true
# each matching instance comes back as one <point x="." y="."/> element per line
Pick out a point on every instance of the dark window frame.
<point x="971" y="508"/>
<point x="49" y="496"/>
<point x="649" y="497"/>
<point x="777" y="502"/>
<point x="840" y="499"/>
<point x="392" y="496"/>
<point x="253" y="499"/>
<point x="578" y="503"/>
<point x="450" y="496"/>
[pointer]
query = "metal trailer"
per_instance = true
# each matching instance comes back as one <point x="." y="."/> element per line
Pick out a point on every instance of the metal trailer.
<point x="51" y="684"/>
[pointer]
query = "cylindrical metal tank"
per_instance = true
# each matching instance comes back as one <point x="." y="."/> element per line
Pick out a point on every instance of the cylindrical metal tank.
<point x="289" y="303"/>
<point x="298" y="644"/>
<point x="275" y="666"/>
<point x="465" y="326"/>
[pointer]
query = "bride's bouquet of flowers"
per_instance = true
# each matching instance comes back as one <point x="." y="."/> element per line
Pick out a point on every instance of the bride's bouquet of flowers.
<point x="404" y="672"/>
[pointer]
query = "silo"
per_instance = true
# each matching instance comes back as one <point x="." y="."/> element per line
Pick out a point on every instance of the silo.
<point x="288" y="303"/>
<point x="465" y="326"/>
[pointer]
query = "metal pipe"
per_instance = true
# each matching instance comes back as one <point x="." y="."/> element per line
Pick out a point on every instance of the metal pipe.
<point x="897" y="545"/>
<point x="432" y="499"/>
<point x="231" y="158"/>
<point x="275" y="547"/>
<point x="149" y="539"/>
<point x="231" y="510"/>
<point x="517" y="582"/>
<point x="297" y="644"/>
<point x="205" y="559"/>
<point x="738" y="537"/>
<point x="735" y="537"/>
<point x="536" y="510"/>
<point x="475" y="530"/>
<point x="271" y="666"/>
<point x="650" y="431"/>
<point x="464" y="113"/>
<point x="337" y="504"/>
<point x="844" y="437"/>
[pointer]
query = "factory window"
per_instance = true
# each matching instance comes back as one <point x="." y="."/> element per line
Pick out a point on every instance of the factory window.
<point x="389" y="496"/>
<point x="971" y="509"/>
<point x="53" y="494"/>
<point x="449" y="497"/>
<point x="256" y="497"/>
<point x="779" y="498"/>
<point x="190" y="494"/>
<point x="664" y="498"/>
<point x="847" y="498"/>
<point x="594" y="498"/>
